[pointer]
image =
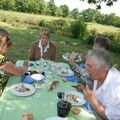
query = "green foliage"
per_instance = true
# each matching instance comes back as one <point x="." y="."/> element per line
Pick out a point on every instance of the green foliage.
<point x="114" y="40"/>
<point x="8" y="4"/>
<point x="65" y="10"/>
<point x="29" y="6"/>
<point x="51" y="6"/>
<point x="78" y="28"/>
<point x="58" y="12"/>
<point x="98" y="2"/>
<point x="89" y="15"/>
<point x="54" y="25"/>
<point x="74" y="13"/>
<point x="22" y="18"/>
<point x="110" y="19"/>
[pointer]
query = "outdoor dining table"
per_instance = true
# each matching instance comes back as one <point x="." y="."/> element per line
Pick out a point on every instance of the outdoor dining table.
<point x="43" y="103"/>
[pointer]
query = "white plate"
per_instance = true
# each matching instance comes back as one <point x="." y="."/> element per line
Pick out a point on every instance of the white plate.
<point x="14" y="89"/>
<point x="79" y="101"/>
<point x="38" y="77"/>
<point x="65" y="57"/>
<point x="55" y="118"/>
<point x="65" y="72"/>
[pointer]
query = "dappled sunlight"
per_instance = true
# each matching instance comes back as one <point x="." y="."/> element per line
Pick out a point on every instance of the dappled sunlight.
<point x="74" y="43"/>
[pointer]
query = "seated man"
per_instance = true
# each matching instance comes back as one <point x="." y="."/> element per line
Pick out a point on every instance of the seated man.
<point x="43" y="48"/>
<point x="99" y="42"/>
<point x="105" y="97"/>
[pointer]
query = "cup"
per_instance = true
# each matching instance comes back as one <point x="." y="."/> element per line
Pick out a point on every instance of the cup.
<point x="63" y="108"/>
<point x="60" y="95"/>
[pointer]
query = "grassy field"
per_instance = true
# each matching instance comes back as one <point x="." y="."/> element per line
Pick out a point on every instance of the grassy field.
<point x="102" y="28"/>
<point x="13" y="18"/>
<point x="23" y="37"/>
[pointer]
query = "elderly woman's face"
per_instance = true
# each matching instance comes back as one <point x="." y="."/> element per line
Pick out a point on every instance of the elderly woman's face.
<point x="44" y="40"/>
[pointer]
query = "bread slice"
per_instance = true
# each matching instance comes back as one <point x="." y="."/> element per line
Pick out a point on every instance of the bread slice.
<point x="75" y="111"/>
<point x="72" y="56"/>
<point x="27" y="116"/>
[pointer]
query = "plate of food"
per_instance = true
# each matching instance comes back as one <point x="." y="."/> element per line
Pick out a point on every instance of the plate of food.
<point x="65" y="72"/>
<point x="22" y="89"/>
<point x="56" y="118"/>
<point x="72" y="56"/>
<point x="75" y="98"/>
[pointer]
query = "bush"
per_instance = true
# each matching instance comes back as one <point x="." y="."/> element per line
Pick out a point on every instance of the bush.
<point x="54" y="25"/>
<point x="78" y="28"/>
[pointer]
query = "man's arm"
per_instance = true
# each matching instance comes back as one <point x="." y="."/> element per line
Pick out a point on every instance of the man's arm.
<point x="91" y="98"/>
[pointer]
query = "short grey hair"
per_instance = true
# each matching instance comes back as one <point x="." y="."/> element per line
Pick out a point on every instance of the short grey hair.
<point x="101" y="57"/>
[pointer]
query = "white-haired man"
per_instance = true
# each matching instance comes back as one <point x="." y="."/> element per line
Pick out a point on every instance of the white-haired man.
<point x="105" y="96"/>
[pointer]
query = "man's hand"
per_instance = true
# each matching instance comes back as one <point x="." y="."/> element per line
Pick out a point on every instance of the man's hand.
<point x="72" y="62"/>
<point x="91" y="98"/>
<point x="89" y="95"/>
<point x="80" y="86"/>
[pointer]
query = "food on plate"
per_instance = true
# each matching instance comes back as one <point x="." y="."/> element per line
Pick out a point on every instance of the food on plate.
<point x="53" y="84"/>
<point x="73" y="56"/>
<point x="27" y="116"/>
<point x="73" y="98"/>
<point x="75" y="111"/>
<point x="22" y="88"/>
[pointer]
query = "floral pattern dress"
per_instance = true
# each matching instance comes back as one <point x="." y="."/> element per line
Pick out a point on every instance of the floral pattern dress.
<point x="3" y="75"/>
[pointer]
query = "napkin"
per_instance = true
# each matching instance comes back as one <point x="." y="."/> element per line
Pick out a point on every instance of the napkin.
<point x="27" y="79"/>
<point x="88" y="107"/>
<point x="71" y="78"/>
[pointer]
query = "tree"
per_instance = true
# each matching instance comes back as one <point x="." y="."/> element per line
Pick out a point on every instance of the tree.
<point x="65" y="10"/>
<point x="52" y="7"/>
<point x="78" y="28"/>
<point x="74" y="13"/>
<point x="58" y="12"/>
<point x="8" y="4"/>
<point x="89" y="15"/>
<point x="98" y="2"/>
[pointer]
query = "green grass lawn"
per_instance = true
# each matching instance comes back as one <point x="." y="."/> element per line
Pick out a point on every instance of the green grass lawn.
<point x="23" y="37"/>
<point x="99" y="28"/>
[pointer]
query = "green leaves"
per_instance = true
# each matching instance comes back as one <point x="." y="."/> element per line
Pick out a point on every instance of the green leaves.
<point x="98" y="2"/>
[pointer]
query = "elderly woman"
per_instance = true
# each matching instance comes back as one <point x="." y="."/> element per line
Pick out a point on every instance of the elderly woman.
<point x="43" y="48"/>
<point x="105" y="95"/>
<point x="5" y="65"/>
<point x="99" y="42"/>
